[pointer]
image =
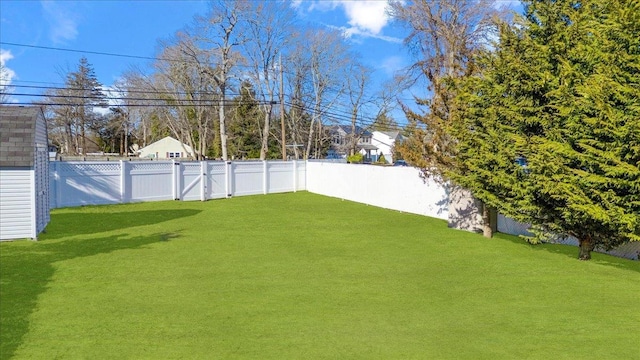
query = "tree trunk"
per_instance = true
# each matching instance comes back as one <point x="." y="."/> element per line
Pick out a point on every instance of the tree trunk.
<point x="586" y="246"/>
<point x="223" y="130"/>
<point x="489" y="221"/>
<point x="264" y="148"/>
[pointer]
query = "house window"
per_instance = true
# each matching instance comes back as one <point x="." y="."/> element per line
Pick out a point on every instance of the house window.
<point x="174" y="155"/>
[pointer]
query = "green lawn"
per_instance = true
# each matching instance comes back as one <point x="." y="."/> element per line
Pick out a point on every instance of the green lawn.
<point x="302" y="276"/>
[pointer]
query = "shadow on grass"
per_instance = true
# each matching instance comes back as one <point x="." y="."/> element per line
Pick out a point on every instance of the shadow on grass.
<point x="572" y="252"/>
<point x="81" y="222"/>
<point x="26" y="268"/>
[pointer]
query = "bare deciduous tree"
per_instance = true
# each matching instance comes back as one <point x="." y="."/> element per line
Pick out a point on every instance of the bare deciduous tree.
<point x="270" y="26"/>
<point x="182" y="87"/>
<point x="444" y="35"/>
<point x="219" y="33"/>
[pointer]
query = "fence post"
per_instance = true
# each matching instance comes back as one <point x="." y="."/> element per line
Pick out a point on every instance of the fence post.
<point x="265" y="177"/>
<point x="203" y="180"/>
<point x="295" y="176"/>
<point x="174" y="179"/>
<point x="123" y="182"/>
<point x="227" y="179"/>
<point x="57" y="184"/>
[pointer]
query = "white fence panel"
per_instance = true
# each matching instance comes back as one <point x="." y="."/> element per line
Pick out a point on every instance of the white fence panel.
<point x="279" y="177"/>
<point x="247" y="178"/>
<point x="83" y="183"/>
<point x="150" y="181"/>
<point x="397" y="188"/>
<point x="191" y="180"/>
<point x="216" y="180"/>
<point x="300" y="175"/>
<point x="86" y="183"/>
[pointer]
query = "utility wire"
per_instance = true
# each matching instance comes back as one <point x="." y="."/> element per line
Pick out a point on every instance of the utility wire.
<point x="127" y="91"/>
<point x="102" y="53"/>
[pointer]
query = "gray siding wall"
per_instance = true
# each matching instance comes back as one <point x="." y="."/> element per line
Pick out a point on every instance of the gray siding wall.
<point x="41" y="172"/>
<point x="40" y="137"/>
<point x="15" y="207"/>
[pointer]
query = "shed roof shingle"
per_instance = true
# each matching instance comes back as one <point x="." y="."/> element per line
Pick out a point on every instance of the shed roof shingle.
<point x="17" y="135"/>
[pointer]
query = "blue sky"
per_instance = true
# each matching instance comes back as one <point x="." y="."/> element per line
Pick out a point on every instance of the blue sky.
<point x="134" y="28"/>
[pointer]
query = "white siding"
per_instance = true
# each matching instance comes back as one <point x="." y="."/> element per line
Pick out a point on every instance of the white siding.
<point x="15" y="204"/>
<point x="160" y="148"/>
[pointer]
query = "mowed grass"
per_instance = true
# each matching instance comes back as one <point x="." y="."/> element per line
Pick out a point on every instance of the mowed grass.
<point x="302" y="276"/>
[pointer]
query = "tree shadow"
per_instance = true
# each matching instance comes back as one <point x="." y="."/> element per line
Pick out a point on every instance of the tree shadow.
<point x="572" y="252"/>
<point x="81" y="222"/>
<point x="26" y="271"/>
<point x="26" y="268"/>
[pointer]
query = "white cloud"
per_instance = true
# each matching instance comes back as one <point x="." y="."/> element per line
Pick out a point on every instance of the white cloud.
<point x="296" y="3"/>
<point x="392" y="64"/>
<point x="62" y="22"/>
<point x="365" y="18"/>
<point x="6" y="74"/>
<point x="114" y="96"/>
<point x="351" y="32"/>
<point x="368" y="16"/>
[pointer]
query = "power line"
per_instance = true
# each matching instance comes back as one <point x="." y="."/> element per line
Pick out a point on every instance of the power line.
<point x="88" y="97"/>
<point x="335" y="114"/>
<point x="128" y="90"/>
<point x="112" y="105"/>
<point x="103" y="53"/>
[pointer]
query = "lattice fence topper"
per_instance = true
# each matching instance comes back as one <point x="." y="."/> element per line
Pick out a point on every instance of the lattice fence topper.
<point x="215" y="167"/>
<point x="150" y="166"/>
<point x="191" y="166"/>
<point x="89" y="168"/>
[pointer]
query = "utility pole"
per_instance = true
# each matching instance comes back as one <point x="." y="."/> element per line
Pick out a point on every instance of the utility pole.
<point x="284" y="147"/>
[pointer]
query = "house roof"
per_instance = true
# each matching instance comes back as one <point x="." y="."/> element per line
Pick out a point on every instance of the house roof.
<point x="17" y="135"/>
<point x="347" y="129"/>
<point x="166" y="141"/>
<point x="391" y="134"/>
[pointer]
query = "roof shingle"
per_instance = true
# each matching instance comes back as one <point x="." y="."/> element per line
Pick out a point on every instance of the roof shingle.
<point x="17" y="135"/>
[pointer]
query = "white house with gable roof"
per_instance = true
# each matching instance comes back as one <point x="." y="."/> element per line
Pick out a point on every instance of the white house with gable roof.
<point x="167" y="148"/>
<point x="385" y="142"/>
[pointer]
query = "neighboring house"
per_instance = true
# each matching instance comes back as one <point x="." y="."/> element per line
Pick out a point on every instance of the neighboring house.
<point x="340" y="142"/>
<point x="24" y="172"/>
<point x="385" y="142"/>
<point x="167" y="148"/>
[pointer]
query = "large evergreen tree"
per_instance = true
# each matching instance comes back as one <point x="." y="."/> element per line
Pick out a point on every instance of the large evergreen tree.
<point x="550" y="133"/>
<point x="71" y="113"/>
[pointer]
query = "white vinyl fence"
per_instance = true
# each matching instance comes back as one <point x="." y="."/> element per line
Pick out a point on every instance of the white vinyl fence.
<point x="392" y="187"/>
<point x="79" y="183"/>
<point x="398" y="188"/>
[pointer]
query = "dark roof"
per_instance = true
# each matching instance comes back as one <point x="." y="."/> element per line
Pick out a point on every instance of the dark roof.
<point x="17" y="135"/>
<point x="347" y="129"/>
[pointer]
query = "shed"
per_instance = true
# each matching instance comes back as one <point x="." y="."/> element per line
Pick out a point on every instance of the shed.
<point x="24" y="172"/>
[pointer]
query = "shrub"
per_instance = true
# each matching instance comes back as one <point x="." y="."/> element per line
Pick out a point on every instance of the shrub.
<point x="355" y="158"/>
